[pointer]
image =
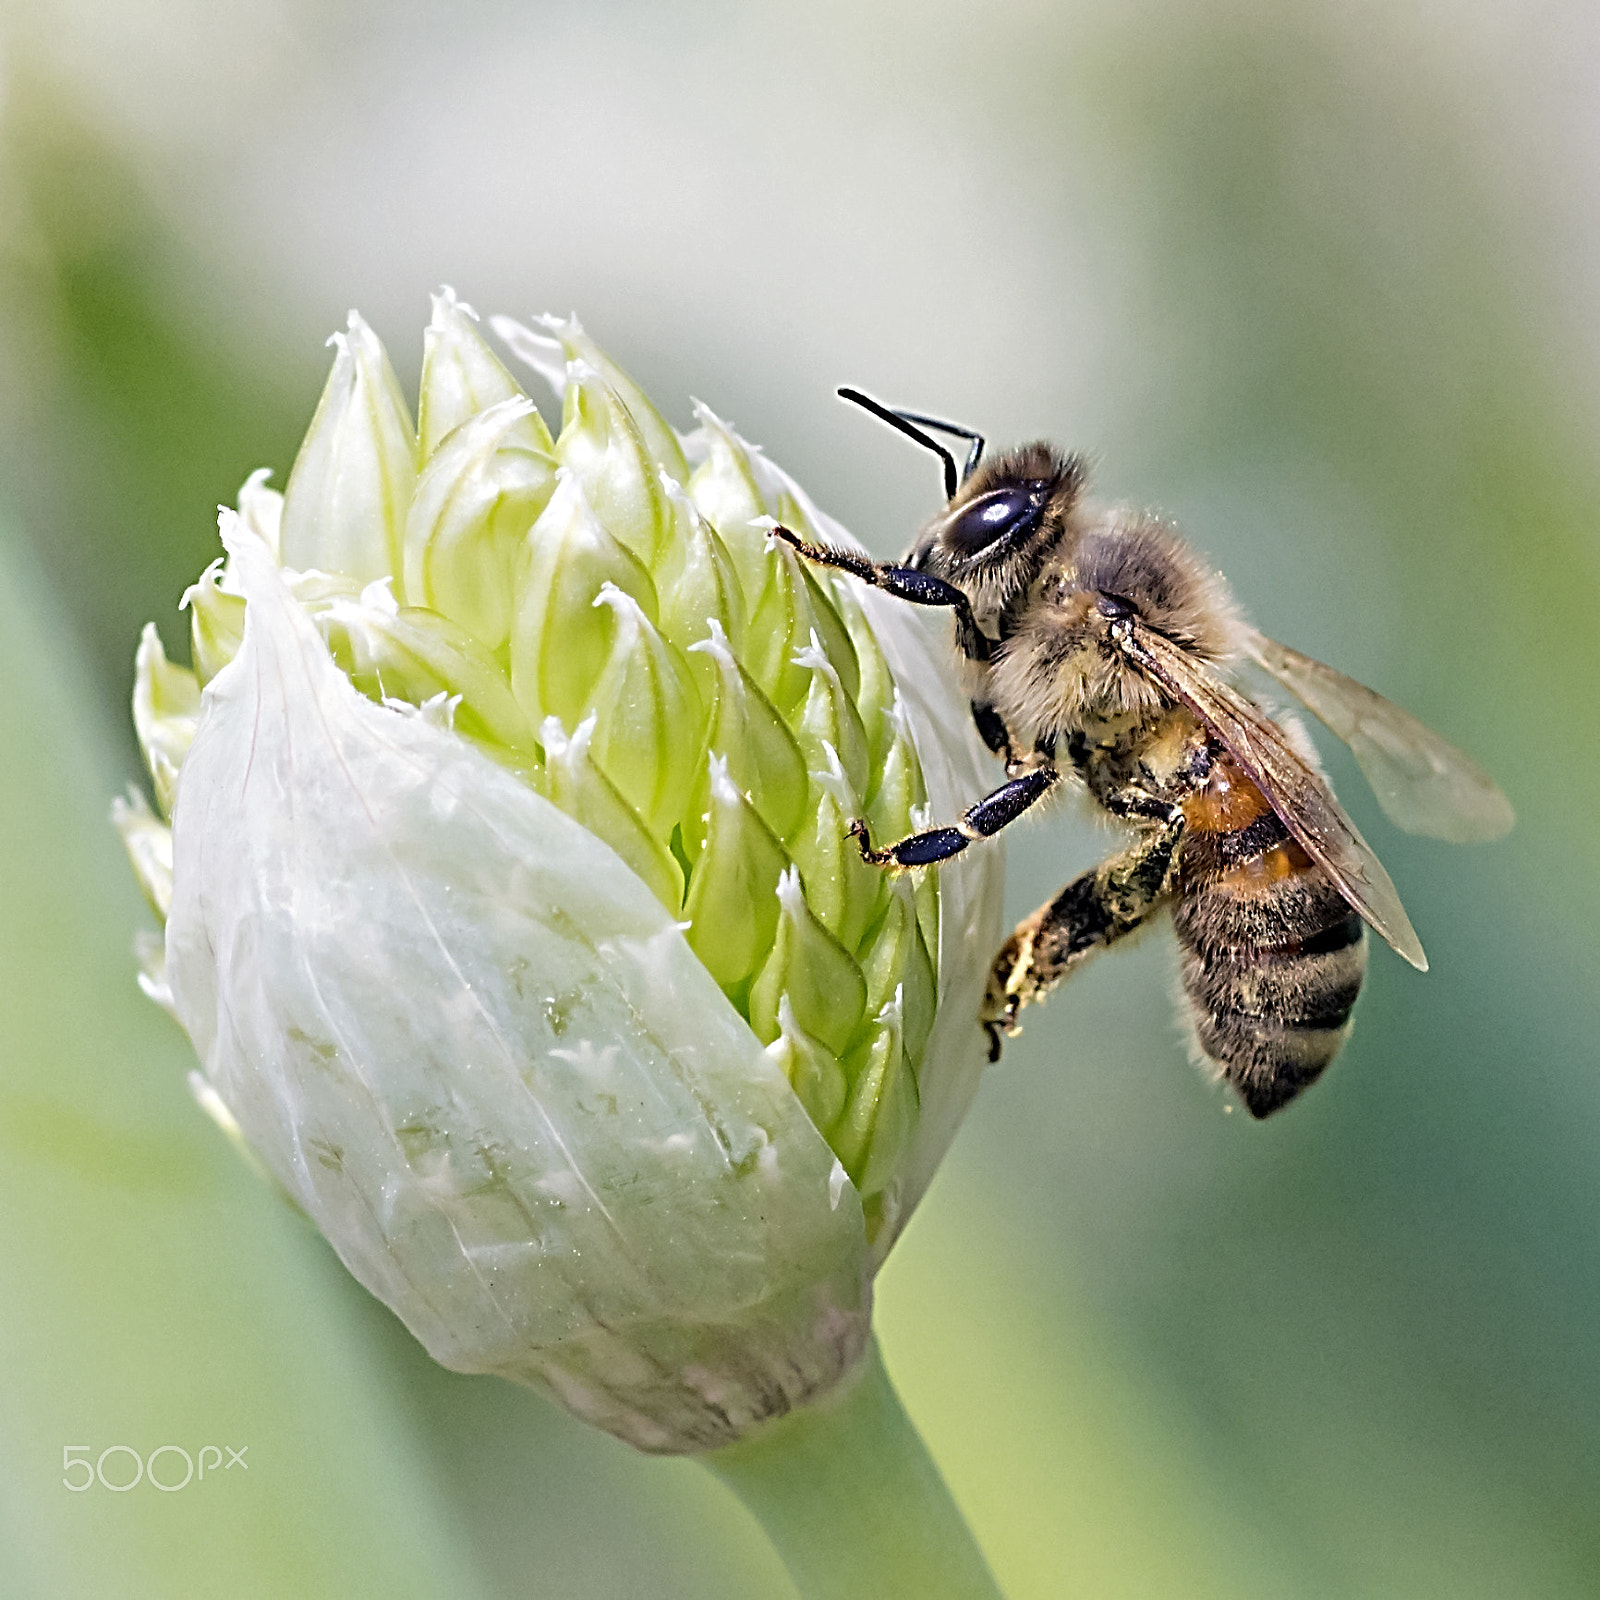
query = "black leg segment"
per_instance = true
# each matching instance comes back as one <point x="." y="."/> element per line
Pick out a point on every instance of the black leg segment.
<point x="905" y="583"/>
<point x="992" y="729"/>
<point x="1010" y="800"/>
<point x="981" y="821"/>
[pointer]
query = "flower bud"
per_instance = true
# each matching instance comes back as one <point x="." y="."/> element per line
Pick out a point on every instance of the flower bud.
<point x="411" y="654"/>
<point x="899" y="962"/>
<point x="345" y="507"/>
<point x="559" y="638"/>
<point x="829" y="721"/>
<point x="698" y="586"/>
<point x="754" y="742"/>
<point x="733" y="890"/>
<point x="166" y="708"/>
<point x="874" y="692"/>
<point x="812" y="970"/>
<point x="583" y="791"/>
<point x="462" y="376"/>
<point x="601" y="444"/>
<point x="216" y="624"/>
<point x="475" y="501"/>
<point x="728" y="494"/>
<point x="551" y="353"/>
<point x="899" y="790"/>
<point x="509" y="900"/>
<point x="569" y="1161"/>
<point x="812" y="1069"/>
<point x="648" y="715"/>
<point x="148" y="841"/>
<point x="844" y="891"/>
<point x="882" y="1107"/>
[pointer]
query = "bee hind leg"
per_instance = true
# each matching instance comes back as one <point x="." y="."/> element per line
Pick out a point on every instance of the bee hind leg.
<point x="1093" y="911"/>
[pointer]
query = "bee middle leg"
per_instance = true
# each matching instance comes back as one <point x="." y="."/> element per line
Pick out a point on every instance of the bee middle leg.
<point x="1093" y="911"/>
<point x="981" y="821"/>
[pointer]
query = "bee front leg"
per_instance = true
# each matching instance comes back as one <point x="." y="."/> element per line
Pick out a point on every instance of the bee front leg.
<point x="904" y="583"/>
<point x="1092" y="912"/>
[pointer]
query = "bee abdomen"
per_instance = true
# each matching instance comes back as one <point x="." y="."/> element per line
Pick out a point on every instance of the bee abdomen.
<point x="1272" y="960"/>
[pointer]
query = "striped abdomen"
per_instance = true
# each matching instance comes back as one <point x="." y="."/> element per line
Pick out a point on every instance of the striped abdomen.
<point x="1272" y="955"/>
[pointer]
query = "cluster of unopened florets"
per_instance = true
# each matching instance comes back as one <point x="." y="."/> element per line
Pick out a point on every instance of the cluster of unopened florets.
<point x="605" y="613"/>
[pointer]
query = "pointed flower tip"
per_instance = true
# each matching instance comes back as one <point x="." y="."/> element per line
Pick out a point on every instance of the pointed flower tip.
<point x="788" y="1028"/>
<point x="567" y="327"/>
<point x="834" y="782"/>
<point x="790" y="895"/>
<point x="553" y="736"/>
<point x="706" y="417"/>
<point x="814" y="657"/>
<point x="620" y="601"/>
<point x="559" y="745"/>
<point x="509" y="410"/>
<point x="378" y="596"/>
<point x="536" y="350"/>
<point x="237" y="540"/>
<point x="438" y="710"/>
<point x="897" y="716"/>
<point x="715" y="644"/>
<point x="447" y="303"/>
<point x="723" y="789"/>
<point x="892" y="1012"/>
<point x="206" y="581"/>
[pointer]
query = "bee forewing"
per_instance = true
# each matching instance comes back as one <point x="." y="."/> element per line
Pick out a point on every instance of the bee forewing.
<point x="1424" y="784"/>
<point x="1296" y="792"/>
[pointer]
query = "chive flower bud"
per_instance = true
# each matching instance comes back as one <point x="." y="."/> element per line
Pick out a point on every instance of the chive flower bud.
<point x="500" y="847"/>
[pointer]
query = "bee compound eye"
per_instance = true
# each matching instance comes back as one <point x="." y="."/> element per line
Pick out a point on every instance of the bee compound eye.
<point x="1114" y="607"/>
<point x="1001" y="514"/>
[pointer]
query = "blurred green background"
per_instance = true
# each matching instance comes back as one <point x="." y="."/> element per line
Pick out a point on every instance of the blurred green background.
<point x="1318" y="280"/>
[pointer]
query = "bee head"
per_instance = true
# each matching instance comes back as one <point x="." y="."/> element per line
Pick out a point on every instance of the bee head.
<point x="1063" y="664"/>
<point x="1000" y="526"/>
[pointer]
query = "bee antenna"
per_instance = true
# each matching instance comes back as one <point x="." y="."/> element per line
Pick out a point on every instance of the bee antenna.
<point x="974" y="455"/>
<point x="912" y="424"/>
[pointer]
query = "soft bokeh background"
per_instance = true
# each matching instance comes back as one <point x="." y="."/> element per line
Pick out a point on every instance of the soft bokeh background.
<point x="1319" y="280"/>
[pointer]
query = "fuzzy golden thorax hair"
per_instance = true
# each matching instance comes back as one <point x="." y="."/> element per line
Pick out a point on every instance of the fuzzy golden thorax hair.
<point x="1060" y="670"/>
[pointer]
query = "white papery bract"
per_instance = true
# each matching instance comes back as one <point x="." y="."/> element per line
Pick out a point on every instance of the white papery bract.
<point x="508" y="901"/>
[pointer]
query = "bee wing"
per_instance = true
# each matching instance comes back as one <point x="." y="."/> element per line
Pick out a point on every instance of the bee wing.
<point x="1423" y="784"/>
<point x="1290" y="786"/>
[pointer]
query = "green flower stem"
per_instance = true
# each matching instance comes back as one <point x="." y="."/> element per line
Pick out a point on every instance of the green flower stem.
<point x="850" y="1498"/>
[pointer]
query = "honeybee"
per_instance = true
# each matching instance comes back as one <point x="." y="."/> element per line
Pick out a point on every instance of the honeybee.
<point x="1097" y="647"/>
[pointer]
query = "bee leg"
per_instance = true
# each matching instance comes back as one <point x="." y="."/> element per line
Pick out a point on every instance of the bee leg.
<point x="992" y="730"/>
<point x="981" y="821"/>
<point x="905" y="583"/>
<point x="1092" y="912"/>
